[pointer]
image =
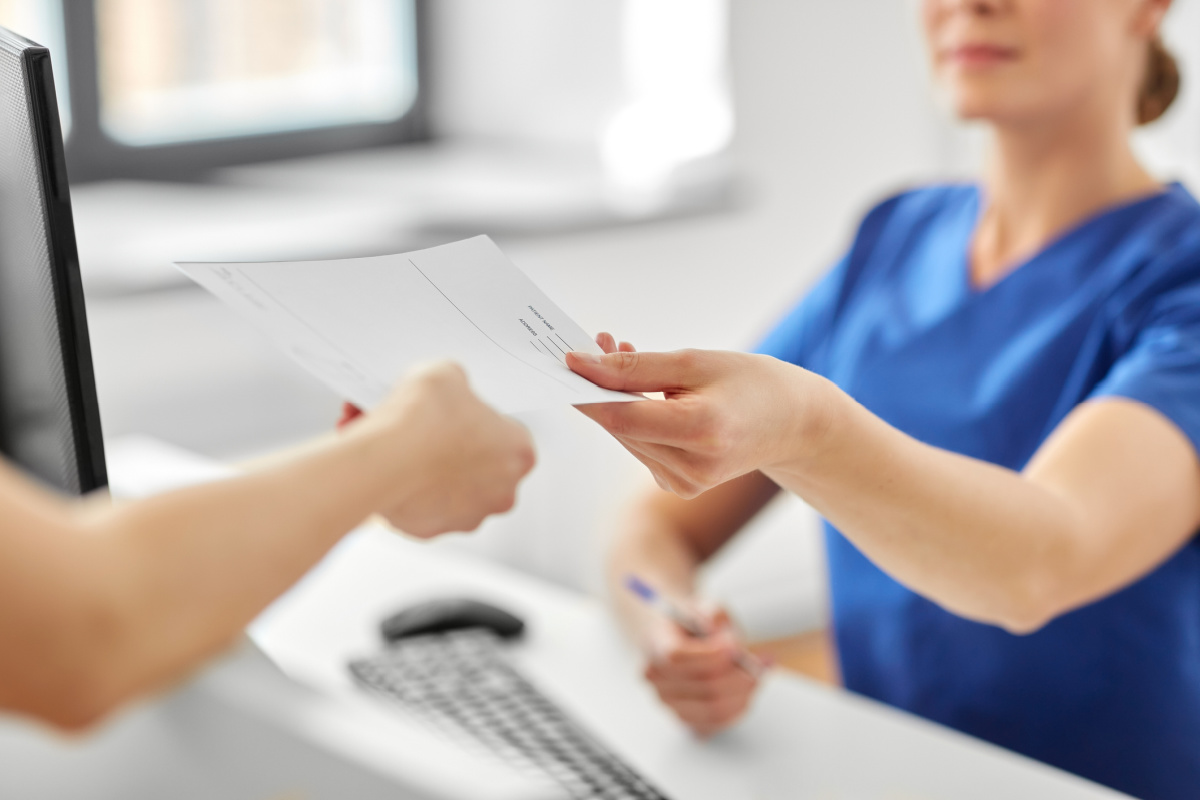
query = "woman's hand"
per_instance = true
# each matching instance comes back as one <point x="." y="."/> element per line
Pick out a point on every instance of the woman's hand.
<point x="724" y="414"/>
<point x="699" y="679"/>
<point x="468" y="459"/>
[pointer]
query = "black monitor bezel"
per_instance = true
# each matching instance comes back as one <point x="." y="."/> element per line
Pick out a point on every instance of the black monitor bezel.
<point x="74" y="341"/>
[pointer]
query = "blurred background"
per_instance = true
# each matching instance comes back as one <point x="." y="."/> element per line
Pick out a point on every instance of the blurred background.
<point x="674" y="171"/>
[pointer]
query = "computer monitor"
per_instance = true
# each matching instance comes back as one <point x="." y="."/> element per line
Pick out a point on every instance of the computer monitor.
<point x="49" y="414"/>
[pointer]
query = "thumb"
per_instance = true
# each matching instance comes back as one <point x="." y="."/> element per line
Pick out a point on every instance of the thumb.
<point x="662" y="639"/>
<point x="720" y="623"/>
<point x="641" y="372"/>
<point x="718" y="618"/>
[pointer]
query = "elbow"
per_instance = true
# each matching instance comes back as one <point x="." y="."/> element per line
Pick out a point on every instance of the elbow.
<point x="79" y="708"/>
<point x="72" y="699"/>
<point x="1048" y="584"/>
<point x="1053" y="579"/>
<point x="85" y="650"/>
<point x="1029" y="608"/>
<point x="82" y="673"/>
<point x="1020" y="605"/>
<point x="1025" y="624"/>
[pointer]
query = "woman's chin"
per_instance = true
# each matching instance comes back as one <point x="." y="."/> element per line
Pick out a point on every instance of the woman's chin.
<point x="981" y="109"/>
<point x="993" y="107"/>
<point x="973" y="114"/>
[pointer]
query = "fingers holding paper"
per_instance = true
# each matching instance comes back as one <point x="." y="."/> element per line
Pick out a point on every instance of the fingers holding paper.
<point x="722" y="415"/>
<point x="609" y="345"/>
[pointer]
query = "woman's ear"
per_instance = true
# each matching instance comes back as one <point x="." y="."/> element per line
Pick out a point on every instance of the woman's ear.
<point x="1149" y="17"/>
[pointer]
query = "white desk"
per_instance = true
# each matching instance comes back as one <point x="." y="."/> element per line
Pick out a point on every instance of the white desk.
<point x="801" y="740"/>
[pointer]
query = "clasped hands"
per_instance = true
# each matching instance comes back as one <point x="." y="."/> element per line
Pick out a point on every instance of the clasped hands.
<point x="460" y="461"/>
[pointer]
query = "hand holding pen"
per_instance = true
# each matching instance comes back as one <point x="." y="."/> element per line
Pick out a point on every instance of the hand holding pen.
<point x="698" y="666"/>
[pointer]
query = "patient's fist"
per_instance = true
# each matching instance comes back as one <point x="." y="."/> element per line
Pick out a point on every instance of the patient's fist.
<point x="465" y="460"/>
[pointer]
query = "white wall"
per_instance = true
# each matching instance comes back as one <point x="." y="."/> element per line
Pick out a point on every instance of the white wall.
<point x="526" y="70"/>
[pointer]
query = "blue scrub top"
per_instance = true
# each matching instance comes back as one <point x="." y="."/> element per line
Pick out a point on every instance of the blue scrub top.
<point x="1110" y="691"/>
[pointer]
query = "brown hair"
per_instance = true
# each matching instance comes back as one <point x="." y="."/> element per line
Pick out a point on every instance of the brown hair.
<point x="1161" y="84"/>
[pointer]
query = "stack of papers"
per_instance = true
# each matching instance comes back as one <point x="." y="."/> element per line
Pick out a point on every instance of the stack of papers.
<point x="360" y="324"/>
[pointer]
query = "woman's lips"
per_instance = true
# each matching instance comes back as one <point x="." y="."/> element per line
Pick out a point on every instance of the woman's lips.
<point x="979" y="55"/>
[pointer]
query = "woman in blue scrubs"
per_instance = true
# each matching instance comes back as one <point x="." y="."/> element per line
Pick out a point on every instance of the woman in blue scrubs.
<point x="994" y="401"/>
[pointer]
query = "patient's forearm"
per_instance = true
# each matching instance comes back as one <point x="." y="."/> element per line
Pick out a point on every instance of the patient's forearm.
<point x="178" y="576"/>
<point x="98" y="604"/>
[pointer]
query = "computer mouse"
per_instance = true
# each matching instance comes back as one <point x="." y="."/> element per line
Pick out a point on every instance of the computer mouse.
<point x="450" y="614"/>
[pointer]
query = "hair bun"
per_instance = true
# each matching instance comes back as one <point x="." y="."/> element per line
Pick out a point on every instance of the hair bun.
<point x="1161" y="84"/>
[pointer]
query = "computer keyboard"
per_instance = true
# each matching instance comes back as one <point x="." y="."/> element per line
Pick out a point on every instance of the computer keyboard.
<point x="463" y="684"/>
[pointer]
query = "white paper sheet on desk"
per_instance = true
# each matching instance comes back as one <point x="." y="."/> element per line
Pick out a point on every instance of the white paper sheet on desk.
<point x="359" y="324"/>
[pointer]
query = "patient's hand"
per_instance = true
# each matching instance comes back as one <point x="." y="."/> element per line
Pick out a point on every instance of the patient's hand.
<point x="698" y="678"/>
<point x="460" y="460"/>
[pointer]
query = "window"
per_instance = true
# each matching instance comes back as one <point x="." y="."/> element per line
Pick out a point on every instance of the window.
<point x="178" y="70"/>
<point x="173" y="88"/>
<point x="42" y="22"/>
<point x="679" y="106"/>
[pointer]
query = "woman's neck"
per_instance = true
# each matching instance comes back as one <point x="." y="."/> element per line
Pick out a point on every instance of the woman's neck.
<point x="1042" y="180"/>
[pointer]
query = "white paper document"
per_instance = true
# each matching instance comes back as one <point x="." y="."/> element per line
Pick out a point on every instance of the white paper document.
<point x="359" y="324"/>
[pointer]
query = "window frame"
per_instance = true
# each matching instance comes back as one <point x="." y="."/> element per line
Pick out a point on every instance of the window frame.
<point x="93" y="155"/>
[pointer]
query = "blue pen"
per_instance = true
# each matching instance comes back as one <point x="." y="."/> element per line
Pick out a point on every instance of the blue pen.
<point x="694" y="625"/>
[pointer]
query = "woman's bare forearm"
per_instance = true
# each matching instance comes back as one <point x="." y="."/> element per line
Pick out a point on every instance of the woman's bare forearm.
<point x="992" y="544"/>
<point x="965" y="533"/>
<point x="651" y="545"/>
<point x="664" y="540"/>
<point x="1111" y="494"/>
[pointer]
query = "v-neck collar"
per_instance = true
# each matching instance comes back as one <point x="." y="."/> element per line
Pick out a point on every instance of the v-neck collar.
<point x="1063" y="239"/>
